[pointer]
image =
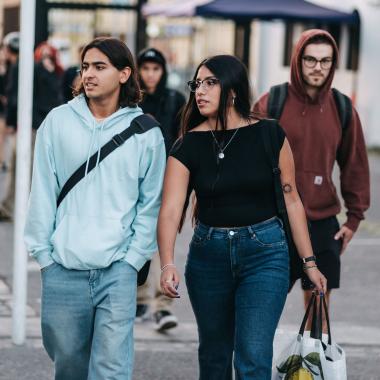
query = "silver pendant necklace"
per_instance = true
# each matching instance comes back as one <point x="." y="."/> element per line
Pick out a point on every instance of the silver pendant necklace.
<point x="221" y="154"/>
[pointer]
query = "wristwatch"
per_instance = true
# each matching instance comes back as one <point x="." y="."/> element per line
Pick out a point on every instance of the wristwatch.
<point x="307" y="259"/>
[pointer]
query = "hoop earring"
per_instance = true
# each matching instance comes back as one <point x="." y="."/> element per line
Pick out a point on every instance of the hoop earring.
<point x="233" y="100"/>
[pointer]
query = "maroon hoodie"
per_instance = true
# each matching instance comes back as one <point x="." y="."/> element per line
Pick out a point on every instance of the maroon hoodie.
<point x="314" y="132"/>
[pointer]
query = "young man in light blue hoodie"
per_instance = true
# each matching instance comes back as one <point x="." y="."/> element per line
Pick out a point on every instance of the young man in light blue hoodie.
<point x="91" y="246"/>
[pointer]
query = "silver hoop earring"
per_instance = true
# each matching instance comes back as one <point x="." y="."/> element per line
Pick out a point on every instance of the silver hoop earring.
<point x="233" y="100"/>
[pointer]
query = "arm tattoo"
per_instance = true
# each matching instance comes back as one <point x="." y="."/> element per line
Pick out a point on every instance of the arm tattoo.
<point x="287" y="188"/>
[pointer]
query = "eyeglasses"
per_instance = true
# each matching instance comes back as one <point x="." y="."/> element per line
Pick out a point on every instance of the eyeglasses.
<point x="311" y="62"/>
<point x="207" y="84"/>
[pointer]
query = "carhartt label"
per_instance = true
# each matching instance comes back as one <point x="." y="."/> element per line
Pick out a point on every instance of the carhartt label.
<point x="318" y="180"/>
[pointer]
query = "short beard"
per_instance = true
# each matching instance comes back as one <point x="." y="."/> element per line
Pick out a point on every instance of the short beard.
<point x="313" y="85"/>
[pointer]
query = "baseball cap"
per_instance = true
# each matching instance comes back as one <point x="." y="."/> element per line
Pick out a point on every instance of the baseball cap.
<point x="151" y="55"/>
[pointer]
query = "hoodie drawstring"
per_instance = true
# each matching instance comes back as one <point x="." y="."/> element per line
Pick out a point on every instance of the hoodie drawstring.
<point x="99" y="147"/>
<point x="90" y="149"/>
<point x="92" y="145"/>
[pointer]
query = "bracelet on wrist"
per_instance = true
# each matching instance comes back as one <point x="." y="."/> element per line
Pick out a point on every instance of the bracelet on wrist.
<point x="308" y="259"/>
<point x="306" y="267"/>
<point x="167" y="266"/>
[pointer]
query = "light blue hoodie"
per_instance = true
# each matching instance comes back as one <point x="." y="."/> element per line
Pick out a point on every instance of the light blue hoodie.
<point x="111" y="214"/>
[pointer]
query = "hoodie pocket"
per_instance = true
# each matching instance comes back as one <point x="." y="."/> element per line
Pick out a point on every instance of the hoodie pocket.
<point x="318" y="191"/>
<point x="85" y="242"/>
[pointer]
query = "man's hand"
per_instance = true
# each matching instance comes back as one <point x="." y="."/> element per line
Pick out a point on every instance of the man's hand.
<point x="346" y="235"/>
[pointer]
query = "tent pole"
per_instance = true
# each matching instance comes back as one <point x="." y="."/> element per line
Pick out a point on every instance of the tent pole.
<point x="242" y="40"/>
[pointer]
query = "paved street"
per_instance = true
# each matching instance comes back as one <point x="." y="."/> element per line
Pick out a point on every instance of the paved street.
<point x="355" y="313"/>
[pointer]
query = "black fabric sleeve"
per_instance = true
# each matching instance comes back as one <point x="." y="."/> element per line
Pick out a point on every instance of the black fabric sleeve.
<point x="181" y="150"/>
<point x="281" y="135"/>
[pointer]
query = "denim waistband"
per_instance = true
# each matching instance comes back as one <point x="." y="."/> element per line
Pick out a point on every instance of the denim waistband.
<point x="229" y="232"/>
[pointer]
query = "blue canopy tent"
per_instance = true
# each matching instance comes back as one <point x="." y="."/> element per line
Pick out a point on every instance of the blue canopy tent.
<point x="244" y="11"/>
<point x="291" y="10"/>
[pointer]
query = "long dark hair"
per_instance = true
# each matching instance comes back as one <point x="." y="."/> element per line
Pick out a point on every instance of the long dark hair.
<point x="120" y="57"/>
<point x="233" y="77"/>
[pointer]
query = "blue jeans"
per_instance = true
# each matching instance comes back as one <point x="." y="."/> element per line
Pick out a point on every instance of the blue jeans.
<point x="237" y="280"/>
<point x="87" y="321"/>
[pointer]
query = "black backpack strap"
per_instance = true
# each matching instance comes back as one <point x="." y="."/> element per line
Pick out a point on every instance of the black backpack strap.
<point x="344" y="106"/>
<point x="139" y="124"/>
<point x="276" y="100"/>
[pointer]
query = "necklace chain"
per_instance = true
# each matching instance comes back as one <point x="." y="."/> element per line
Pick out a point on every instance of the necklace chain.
<point x="221" y="150"/>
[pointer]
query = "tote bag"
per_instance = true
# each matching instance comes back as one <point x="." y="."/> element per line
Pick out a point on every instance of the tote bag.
<point x="309" y="356"/>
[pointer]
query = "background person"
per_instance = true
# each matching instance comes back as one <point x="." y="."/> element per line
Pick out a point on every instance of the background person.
<point x="165" y="105"/>
<point x="11" y="45"/>
<point x="312" y="123"/>
<point x="47" y="87"/>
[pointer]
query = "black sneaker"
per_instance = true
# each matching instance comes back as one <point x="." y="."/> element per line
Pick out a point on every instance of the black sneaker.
<point x="164" y="320"/>
<point x="142" y="312"/>
<point x="5" y="216"/>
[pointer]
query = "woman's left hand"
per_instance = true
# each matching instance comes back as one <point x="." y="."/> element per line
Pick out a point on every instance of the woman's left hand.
<point x="318" y="279"/>
<point x="169" y="282"/>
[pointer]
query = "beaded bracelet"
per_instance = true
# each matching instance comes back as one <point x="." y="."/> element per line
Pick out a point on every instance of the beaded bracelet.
<point x="166" y="266"/>
<point x="306" y="267"/>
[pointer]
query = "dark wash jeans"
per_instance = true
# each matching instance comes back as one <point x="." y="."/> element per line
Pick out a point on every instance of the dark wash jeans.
<point x="237" y="280"/>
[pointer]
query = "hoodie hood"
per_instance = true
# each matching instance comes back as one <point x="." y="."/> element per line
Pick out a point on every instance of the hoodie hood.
<point x="80" y="107"/>
<point x="296" y="65"/>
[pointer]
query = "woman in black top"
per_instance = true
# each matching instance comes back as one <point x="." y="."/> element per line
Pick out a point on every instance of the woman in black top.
<point x="237" y="269"/>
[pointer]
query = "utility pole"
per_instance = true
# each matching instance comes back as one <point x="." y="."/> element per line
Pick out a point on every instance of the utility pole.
<point x="24" y="134"/>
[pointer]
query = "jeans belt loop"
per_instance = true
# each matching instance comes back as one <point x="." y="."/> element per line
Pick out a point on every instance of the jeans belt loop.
<point x="209" y="233"/>
<point x="251" y="232"/>
<point x="280" y="221"/>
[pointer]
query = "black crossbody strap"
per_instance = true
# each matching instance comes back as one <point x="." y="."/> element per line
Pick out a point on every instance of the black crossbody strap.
<point x="139" y="124"/>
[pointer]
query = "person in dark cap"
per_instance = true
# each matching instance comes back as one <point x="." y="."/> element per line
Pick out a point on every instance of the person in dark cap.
<point x="165" y="105"/>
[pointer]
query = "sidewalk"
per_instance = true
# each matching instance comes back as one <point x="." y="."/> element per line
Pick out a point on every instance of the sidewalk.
<point x="354" y="313"/>
<point x="172" y="356"/>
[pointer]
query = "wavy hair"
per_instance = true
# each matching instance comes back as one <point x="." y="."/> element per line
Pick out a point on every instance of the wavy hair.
<point x="120" y="57"/>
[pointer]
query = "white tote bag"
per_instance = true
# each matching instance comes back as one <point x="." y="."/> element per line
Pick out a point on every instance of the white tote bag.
<point x="308" y="356"/>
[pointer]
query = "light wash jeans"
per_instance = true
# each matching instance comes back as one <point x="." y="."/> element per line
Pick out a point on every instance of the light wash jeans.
<point x="87" y="321"/>
<point x="237" y="279"/>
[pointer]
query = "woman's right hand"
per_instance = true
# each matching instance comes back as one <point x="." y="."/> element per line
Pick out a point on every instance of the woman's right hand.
<point x="318" y="279"/>
<point x="169" y="282"/>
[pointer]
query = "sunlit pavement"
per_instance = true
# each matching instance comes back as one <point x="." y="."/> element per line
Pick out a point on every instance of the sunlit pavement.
<point x="354" y="314"/>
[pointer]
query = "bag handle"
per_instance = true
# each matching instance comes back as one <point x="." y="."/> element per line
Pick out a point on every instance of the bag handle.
<point x="324" y="304"/>
<point x="317" y="322"/>
<point x="307" y="313"/>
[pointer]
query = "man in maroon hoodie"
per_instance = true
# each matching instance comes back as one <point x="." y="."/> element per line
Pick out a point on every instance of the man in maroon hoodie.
<point x="311" y="120"/>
